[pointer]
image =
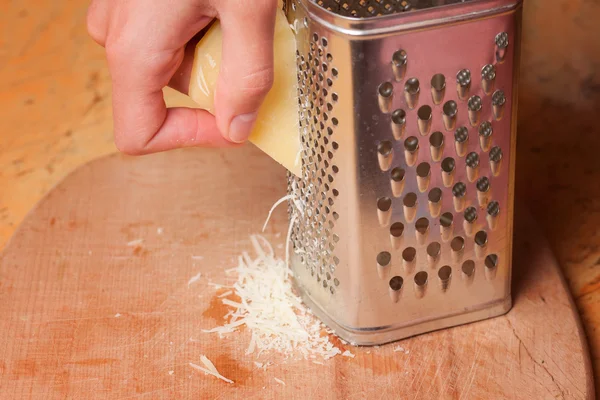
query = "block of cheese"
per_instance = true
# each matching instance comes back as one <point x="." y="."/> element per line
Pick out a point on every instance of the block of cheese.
<point x="276" y="131"/>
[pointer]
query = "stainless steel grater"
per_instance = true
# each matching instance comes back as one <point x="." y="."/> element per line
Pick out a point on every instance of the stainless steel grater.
<point x="403" y="213"/>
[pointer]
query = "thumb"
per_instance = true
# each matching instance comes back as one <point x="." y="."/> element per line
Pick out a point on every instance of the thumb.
<point x="246" y="74"/>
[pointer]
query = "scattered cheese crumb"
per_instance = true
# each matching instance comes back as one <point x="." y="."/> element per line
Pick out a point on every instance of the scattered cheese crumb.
<point x="318" y="362"/>
<point x="171" y="372"/>
<point x="159" y="231"/>
<point x="406" y="352"/>
<point x="198" y="258"/>
<point x="268" y="307"/>
<point x="117" y="315"/>
<point x="348" y="354"/>
<point x="279" y="381"/>
<point x="227" y="293"/>
<point x="135" y="242"/>
<point x="194" y="278"/>
<point x="258" y="364"/>
<point x="210" y="369"/>
<point x="398" y="348"/>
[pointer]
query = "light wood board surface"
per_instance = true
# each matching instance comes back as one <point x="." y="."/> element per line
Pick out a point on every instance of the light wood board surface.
<point x="84" y="314"/>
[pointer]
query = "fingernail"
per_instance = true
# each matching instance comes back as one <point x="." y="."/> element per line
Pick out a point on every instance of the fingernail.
<point x="241" y="127"/>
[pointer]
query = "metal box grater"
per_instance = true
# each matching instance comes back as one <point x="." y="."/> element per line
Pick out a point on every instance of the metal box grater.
<point x="407" y="112"/>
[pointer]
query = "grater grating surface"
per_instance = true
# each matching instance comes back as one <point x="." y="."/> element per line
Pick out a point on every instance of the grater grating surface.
<point x="403" y="213"/>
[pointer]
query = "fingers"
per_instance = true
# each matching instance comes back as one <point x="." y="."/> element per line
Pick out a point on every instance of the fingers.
<point x="142" y="123"/>
<point x="141" y="66"/>
<point x="246" y="74"/>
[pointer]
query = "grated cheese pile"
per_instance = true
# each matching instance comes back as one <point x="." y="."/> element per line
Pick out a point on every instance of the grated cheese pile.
<point x="267" y="306"/>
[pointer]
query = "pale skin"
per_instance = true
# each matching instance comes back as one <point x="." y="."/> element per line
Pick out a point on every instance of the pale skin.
<point x="149" y="45"/>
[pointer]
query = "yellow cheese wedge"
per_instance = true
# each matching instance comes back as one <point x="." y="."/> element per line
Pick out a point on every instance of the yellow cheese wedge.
<point x="276" y="131"/>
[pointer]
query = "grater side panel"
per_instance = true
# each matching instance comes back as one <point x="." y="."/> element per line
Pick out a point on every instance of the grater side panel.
<point x="324" y="234"/>
<point x="388" y="285"/>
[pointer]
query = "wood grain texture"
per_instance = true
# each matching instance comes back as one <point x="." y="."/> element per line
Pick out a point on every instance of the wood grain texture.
<point x="55" y="115"/>
<point x="87" y="315"/>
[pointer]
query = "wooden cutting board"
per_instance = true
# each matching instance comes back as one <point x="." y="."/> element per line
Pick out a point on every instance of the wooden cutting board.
<point x="86" y="313"/>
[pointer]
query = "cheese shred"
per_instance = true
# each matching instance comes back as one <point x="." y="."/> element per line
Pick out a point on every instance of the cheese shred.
<point x="267" y="306"/>
<point x="210" y="369"/>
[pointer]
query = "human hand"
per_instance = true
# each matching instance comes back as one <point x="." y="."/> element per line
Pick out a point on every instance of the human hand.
<point x="149" y="45"/>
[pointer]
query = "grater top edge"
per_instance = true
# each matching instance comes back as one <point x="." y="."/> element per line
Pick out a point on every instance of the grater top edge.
<point x="339" y="20"/>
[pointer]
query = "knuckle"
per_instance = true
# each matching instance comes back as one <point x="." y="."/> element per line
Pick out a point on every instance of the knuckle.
<point x="258" y="82"/>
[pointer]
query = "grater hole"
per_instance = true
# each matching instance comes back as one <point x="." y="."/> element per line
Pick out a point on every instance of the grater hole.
<point x="411" y="92"/>
<point x="438" y="86"/>
<point x="446" y="220"/>
<point x="411" y="144"/>
<point x="424" y="119"/>
<point x="495" y="159"/>
<point x="491" y="261"/>
<point x="436" y="139"/>
<point x="468" y="268"/>
<point x="422" y="226"/>
<point x="481" y="239"/>
<point x="438" y="81"/>
<point x="386" y="89"/>
<point x="459" y="189"/>
<point x="434" y="250"/>
<point x="384" y="148"/>
<point x="445" y="273"/>
<point x="420" y="283"/>
<point x="421" y="278"/>
<point x="399" y="61"/>
<point x="463" y="78"/>
<point x="324" y="42"/>
<point x="384" y="258"/>
<point x="470" y="214"/>
<point x="493" y="208"/>
<point x="461" y="136"/>
<point x="397" y="181"/>
<point x="334" y="72"/>
<point x="474" y="103"/>
<point x="472" y="160"/>
<point x="384" y="205"/>
<point x="397" y="229"/>
<point x="423" y="170"/>
<point x="396" y="283"/>
<point x="336" y="282"/>
<point x="450" y="110"/>
<point x="412" y="86"/>
<point x="409" y="254"/>
<point x="435" y="195"/>
<point x="398" y="174"/>
<point x="485" y="135"/>
<point x="398" y="123"/>
<point x="448" y="165"/>
<point x="457" y="244"/>
<point x="410" y="200"/>
<point x="483" y="184"/>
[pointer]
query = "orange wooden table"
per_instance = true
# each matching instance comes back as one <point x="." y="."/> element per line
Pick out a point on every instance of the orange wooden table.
<point x="55" y="115"/>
